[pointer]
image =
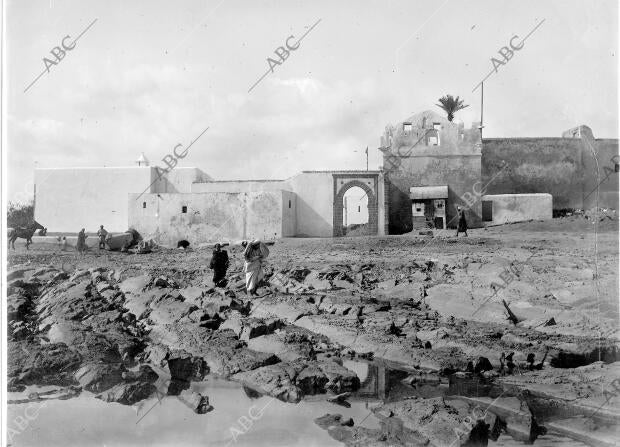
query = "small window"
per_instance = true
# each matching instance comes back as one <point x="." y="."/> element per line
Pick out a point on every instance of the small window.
<point x="184" y="209"/>
<point x="289" y="203"/>
<point x="143" y="204"/>
<point x="433" y="141"/>
<point x="617" y="167"/>
<point x="437" y="126"/>
<point x="440" y="205"/>
<point x="407" y="127"/>
<point x="359" y="209"/>
<point x="419" y="210"/>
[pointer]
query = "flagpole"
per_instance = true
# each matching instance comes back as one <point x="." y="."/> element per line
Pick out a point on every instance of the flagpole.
<point x="367" y="158"/>
<point x="481" y="109"/>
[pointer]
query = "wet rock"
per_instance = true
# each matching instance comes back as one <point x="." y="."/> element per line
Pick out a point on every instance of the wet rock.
<point x="103" y="286"/>
<point x="255" y="327"/>
<point x="163" y="281"/>
<point x="128" y="393"/>
<point x="156" y="354"/>
<point x="291" y="380"/>
<point x="290" y="311"/>
<point x="482" y="364"/>
<point x="98" y="377"/>
<point x="247" y="328"/>
<point x="518" y="418"/>
<point x="330" y="420"/>
<point x="134" y="285"/>
<point x="469" y="384"/>
<point x="223" y="352"/>
<point x="15" y="274"/>
<point x="18" y="306"/>
<point x="59" y="394"/>
<point x="513" y="413"/>
<point x="314" y="281"/>
<point x="193" y="295"/>
<point x="573" y="355"/>
<point x="144" y="374"/>
<point x="340" y="399"/>
<point x="434" y="419"/>
<point x="196" y="401"/>
<point x="275" y="344"/>
<point x="51" y="364"/>
<point x="13" y="385"/>
<point x="185" y="367"/>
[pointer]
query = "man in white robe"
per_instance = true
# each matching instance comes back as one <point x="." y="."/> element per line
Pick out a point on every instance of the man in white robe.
<point x="255" y="254"/>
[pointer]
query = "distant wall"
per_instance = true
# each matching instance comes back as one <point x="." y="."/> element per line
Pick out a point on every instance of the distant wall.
<point x="607" y="154"/>
<point x="312" y="199"/>
<point x="519" y="207"/>
<point x="69" y="199"/>
<point x="239" y="186"/>
<point x="315" y="201"/>
<point x="178" y="180"/>
<point x="562" y="167"/>
<point x="210" y="217"/>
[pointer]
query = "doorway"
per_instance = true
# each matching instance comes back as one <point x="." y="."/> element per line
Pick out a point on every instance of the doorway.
<point x="355" y="220"/>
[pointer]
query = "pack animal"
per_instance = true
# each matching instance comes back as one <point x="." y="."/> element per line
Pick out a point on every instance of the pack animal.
<point x="24" y="233"/>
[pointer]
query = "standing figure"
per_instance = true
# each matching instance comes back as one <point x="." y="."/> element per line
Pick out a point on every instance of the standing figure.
<point x="62" y="242"/>
<point x="219" y="264"/>
<point x="102" y="233"/>
<point x="462" y="225"/>
<point x="255" y="253"/>
<point x="81" y="242"/>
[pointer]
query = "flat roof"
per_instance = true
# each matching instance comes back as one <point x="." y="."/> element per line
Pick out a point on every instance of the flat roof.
<point x="428" y="192"/>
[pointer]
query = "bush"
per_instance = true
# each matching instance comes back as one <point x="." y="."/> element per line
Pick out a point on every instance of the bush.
<point x="19" y="214"/>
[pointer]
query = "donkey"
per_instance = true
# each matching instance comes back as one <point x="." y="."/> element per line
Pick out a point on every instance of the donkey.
<point x="24" y="233"/>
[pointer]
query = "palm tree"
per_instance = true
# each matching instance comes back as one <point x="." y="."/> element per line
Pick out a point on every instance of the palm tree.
<point x="451" y="105"/>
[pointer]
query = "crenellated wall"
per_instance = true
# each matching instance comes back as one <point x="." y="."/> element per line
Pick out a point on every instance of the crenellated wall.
<point x="413" y="159"/>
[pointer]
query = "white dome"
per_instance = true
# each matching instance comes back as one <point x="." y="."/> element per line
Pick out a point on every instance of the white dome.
<point x="142" y="160"/>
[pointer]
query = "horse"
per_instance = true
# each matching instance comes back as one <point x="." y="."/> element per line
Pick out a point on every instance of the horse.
<point x="24" y="233"/>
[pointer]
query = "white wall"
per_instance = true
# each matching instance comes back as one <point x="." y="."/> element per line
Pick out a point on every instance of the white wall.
<point x="315" y="201"/>
<point x="210" y="217"/>
<point x="178" y="180"/>
<point x="314" y="197"/>
<point x="240" y="186"/>
<point x="509" y="208"/>
<point x="69" y="199"/>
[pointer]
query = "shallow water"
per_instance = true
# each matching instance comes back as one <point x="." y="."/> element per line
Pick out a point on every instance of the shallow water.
<point x="237" y="418"/>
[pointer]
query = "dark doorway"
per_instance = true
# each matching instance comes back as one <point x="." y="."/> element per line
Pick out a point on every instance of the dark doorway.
<point x="487" y="211"/>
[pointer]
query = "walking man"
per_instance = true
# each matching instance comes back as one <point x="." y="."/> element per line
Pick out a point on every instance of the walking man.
<point x="219" y="264"/>
<point x="255" y="253"/>
<point x="102" y="233"/>
<point x="462" y="225"/>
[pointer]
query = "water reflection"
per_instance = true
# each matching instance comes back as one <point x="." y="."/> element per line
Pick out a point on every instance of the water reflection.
<point x="382" y="382"/>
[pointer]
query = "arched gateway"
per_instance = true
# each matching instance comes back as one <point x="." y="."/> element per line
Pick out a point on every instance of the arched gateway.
<point x="367" y="182"/>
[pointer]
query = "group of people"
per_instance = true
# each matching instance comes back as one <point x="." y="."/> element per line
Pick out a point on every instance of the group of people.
<point x="81" y="246"/>
<point x="254" y="255"/>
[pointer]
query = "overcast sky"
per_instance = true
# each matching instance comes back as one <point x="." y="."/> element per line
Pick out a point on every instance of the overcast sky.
<point x="149" y="75"/>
